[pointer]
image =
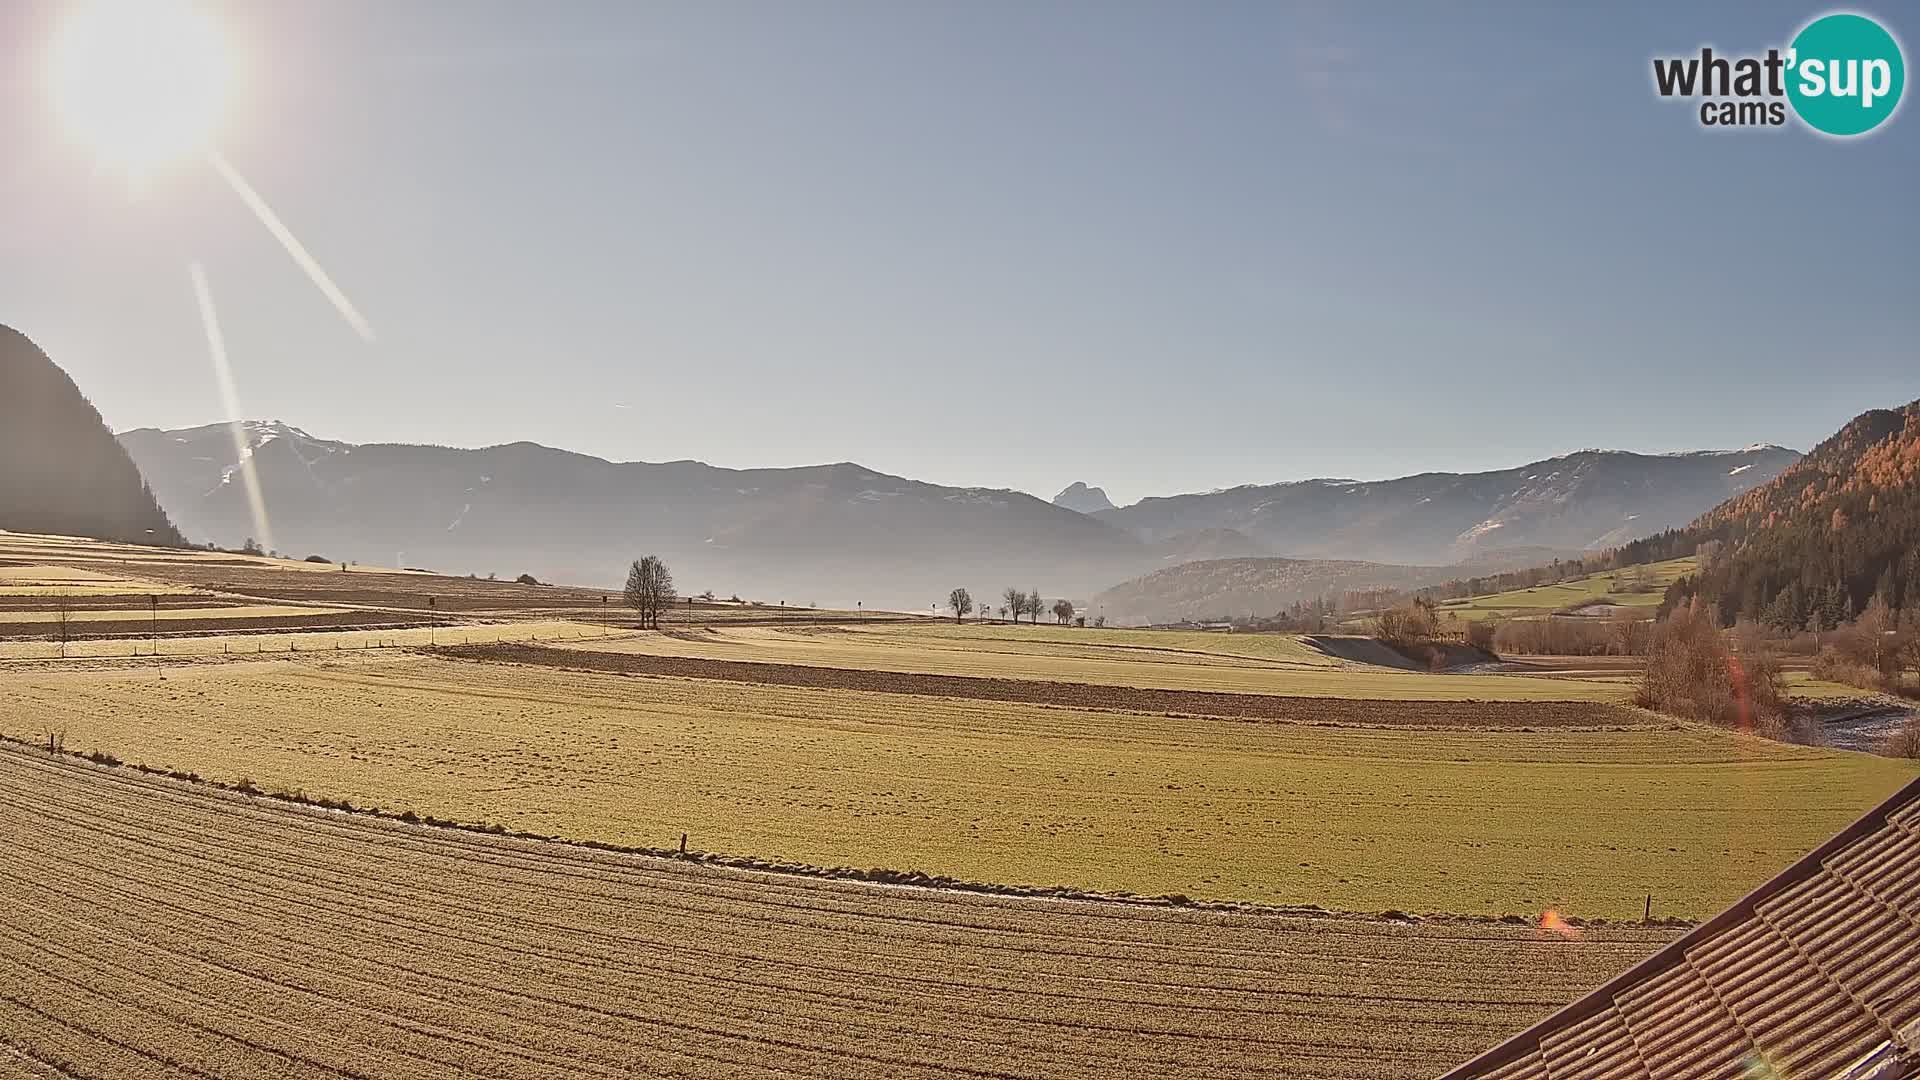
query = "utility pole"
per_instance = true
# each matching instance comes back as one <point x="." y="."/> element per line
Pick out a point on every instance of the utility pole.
<point x="153" y="606"/>
<point x="604" y="630"/>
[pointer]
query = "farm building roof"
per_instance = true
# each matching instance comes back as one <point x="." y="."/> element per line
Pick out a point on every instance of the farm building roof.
<point x="1814" y="974"/>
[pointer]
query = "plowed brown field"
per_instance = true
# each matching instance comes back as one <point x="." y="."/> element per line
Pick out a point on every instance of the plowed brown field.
<point x="157" y="929"/>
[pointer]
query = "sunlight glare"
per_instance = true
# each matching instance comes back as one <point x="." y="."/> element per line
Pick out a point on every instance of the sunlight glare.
<point x="230" y="397"/>
<point x="140" y="83"/>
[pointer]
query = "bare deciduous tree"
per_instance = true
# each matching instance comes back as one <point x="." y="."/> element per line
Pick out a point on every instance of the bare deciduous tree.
<point x="1035" y="605"/>
<point x="649" y="589"/>
<point x="1016" y="602"/>
<point x="961" y="601"/>
<point x="1063" y="611"/>
<point x="1694" y="671"/>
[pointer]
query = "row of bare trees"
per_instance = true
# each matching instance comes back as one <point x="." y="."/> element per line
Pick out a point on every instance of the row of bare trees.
<point x="1032" y="604"/>
<point x="1017" y="603"/>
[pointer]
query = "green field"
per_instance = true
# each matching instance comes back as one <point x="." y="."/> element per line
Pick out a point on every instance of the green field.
<point x="1610" y="587"/>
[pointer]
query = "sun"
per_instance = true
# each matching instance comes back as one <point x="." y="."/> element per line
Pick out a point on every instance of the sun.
<point x="140" y="83"/>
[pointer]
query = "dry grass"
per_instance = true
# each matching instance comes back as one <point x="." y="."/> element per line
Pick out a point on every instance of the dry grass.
<point x="1231" y="663"/>
<point x="141" y="615"/>
<point x="1349" y="818"/>
<point x="49" y="581"/>
<point x="285" y="639"/>
<point x="158" y="929"/>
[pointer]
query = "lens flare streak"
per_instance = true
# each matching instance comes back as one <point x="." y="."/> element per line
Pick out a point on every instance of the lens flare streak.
<point x="223" y="374"/>
<point x="1552" y="921"/>
<point x="294" y="247"/>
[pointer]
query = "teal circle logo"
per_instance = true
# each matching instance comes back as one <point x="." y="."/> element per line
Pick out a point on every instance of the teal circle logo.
<point x="1845" y="74"/>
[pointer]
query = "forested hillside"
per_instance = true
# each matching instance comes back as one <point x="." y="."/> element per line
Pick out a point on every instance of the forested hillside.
<point x="61" y="470"/>
<point x="1815" y="544"/>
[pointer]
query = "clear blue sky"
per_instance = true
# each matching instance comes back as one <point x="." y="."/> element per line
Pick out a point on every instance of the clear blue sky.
<point x="1155" y="247"/>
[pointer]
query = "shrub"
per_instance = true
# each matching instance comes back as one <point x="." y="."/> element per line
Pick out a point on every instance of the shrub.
<point x="1904" y="742"/>
<point x="527" y="579"/>
<point x="1692" y="672"/>
<point x="1481" y="634"/>
<point x="317" y="559"/>
<point x="1408" y="624"/>
<point x="1833" y="665"/>
<point x="1625" y="634"/>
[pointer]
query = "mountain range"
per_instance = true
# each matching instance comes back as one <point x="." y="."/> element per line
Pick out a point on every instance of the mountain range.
<point x="1582" y="501"/>
<point x="846" y="534"/>
<point x="832" y="534"/>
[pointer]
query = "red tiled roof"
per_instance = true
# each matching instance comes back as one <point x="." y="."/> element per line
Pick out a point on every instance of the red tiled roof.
<point x="1815" y="974"/>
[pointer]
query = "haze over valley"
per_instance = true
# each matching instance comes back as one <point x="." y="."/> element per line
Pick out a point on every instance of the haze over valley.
<point x="843" y="534"/>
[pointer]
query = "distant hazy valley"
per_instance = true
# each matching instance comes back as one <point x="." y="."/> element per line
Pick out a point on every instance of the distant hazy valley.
<point x="846" y="534"/>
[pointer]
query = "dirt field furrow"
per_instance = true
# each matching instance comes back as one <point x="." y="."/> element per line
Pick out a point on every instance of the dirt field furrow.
<point x="824" y="1010"/>
<point x="232" y="938"/>
<point x="761" y="905"/>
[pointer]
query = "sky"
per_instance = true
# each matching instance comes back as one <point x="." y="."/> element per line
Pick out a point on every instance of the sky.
<point x="1155" y="247"/>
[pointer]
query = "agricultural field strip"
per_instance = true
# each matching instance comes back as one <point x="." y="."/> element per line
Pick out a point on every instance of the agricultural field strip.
<point x="369" y="986"/>
<point x="1258" y="661"/>
<point x="834" y="646"/>
<point x="991" y="792"/>
<point x="141" y="614"/>
<point x="776" y="891"/>
<point x="1089" y="644"/>
<point x="240" y="642"/>
<point x="1152" y="688"/>
<point x="887" y="970"/>
<point x="1359" y="734"/>
<point x="988" y="792"/>
<point x="1010" y="1008"/>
